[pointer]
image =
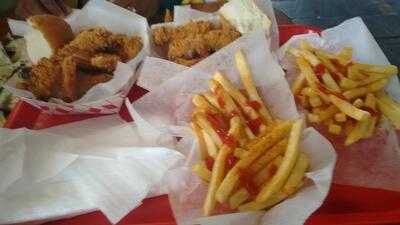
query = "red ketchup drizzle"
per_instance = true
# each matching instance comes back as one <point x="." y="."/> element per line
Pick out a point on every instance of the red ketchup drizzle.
<point x="335" y="76"/>
<point x="254" y="104"/>
<point x="247" y="182"/>
<point x="371" y="111"/>
<point x="220" y="126"/>
<point x="221" y="102"/>
<point x="319" y="70"/>
<point x="254" y="125"/>
<point x="329" y="92"/>
<point x="231" y="160"/>
<point x="229" y="141"/>
<point x="209" y="162"/>
<point x="272" y="170"/>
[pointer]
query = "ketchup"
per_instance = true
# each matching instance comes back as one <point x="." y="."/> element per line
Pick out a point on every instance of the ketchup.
<point x="209" y="162"/>
<point x="329" y="92"/>
<point x="319" y="70"/>
<point x="254" y="125"/>
<point x="231" y="160"/>
<point x="272" y="170"/>
<point x="219" y="124"/>
<point x="221" y="102"/>
<point x="229" y="141"/>
<point x="254" y="104"/>
<point x="335" y="76"/>
<point x="246" y="181"/>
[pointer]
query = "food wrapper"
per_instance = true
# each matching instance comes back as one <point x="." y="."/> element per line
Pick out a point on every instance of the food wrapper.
<point x="374" y="162"/>
<point x="102" y="98"/>
<point x="168" y="108"/>
<point x="97" y="164"/>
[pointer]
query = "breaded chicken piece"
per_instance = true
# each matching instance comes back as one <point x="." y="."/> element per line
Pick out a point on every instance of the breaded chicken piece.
<point x="87" y="81"/>
<point x="45" y="79"/>
<point x="93" y="51"/>
<point x="195" y="40"/>
<point x="189" y="48"/>
<point x="105" y="61"/>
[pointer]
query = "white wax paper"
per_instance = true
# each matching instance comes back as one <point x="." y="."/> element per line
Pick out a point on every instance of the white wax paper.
<point x="168" y="107"/>
<point x="96" y="13"/>
<point x="374" y="162"/>
<point x="96" y="164"/>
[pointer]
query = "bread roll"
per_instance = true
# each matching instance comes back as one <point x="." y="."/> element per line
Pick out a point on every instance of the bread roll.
<point x="49" y="34"/>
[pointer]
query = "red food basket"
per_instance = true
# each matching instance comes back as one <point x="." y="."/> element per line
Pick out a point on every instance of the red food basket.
<point x="345" y="205"/>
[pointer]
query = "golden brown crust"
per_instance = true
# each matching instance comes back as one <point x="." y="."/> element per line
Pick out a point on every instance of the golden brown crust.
<point x="55" y="30"/>
<point x="195" y="40"/>
<point x="93" y="52"/>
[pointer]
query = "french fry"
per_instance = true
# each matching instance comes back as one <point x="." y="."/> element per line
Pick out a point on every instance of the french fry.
<point x="328" y="113"/>
<point x="217" y="175"/>
<point x="361" y="91"/>
<point x="238" y="198"/>
<point x="340" y="117"/>
<point x="315" y="101"/>
<point x="307" y="91"/>
<point x="207" y="127"/>
<point x="272" y="153"/>
<point x="200" y="139"/>
<point x="288" y="162"/>
<point x="303" y="101"/>
<point x="349" y="109"/>
<point x="310" y="57"/>
<point x="293" y="183"/>
<point x="298" y="83"/>
<point x="347" y="83"/>
<point x="358" y="103"/>
<point x="255" y="150"/>
<point x="229" y="106"/>
<point x="358" y="132"/>
<point x="202" y="171"/>
<point x="240" y="153"/>
<point x="297" y="174"/>
<point x="348" y="127"/>
<point x="267" y="172"/>
<point x="389" y="108"/>
<point x="247" y="80"/>
<point x="383" y="69"/>
<point x="344" y="56"/>
<point x="370" y="101"/>
<point x="200" y="102"/>
<point x="330" y="82"/>
<point x="211" y="147"/>
<point x="313" y="118"/>
<point x="334" y="129"/>
<point x="238" y="97"/>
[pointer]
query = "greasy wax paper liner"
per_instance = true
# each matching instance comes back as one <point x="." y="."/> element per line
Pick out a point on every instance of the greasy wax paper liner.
<point x="374" y="162"/>
<point x="102" y="98"/>
<point x="168" y="108"/>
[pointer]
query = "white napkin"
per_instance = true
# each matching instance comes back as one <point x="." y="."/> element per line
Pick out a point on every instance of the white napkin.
<point x="168" y="107"/>
<point x="96" y="164"/>
<point x="374" y="162"/>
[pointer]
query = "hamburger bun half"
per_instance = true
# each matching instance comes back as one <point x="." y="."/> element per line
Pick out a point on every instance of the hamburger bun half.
<point x="49" y="34"/>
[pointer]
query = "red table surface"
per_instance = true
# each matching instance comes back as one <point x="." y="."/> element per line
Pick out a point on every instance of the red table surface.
<point x="345" y="205"/>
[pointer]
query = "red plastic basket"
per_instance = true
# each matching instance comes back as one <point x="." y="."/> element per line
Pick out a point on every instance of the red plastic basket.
<point x="345" y="205"/>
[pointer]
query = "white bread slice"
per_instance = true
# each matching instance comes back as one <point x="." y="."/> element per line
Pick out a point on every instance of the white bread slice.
<point x="49" y="34"/>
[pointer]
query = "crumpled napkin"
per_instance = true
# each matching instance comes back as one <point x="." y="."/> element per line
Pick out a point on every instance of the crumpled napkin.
<point x="97" y="164"/>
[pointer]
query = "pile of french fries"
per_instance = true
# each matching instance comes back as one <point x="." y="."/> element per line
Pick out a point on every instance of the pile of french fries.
<point x="346" y="96"/>
<point x="250" y="160"/>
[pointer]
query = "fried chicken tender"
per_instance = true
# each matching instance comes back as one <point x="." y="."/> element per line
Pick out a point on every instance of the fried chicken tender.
<point x="44" y="79"/>
<point x="105" y="61"/>
<point x="87" y="81"/>
<point x="87" y="60"/>
<point x="190" y="43"/>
